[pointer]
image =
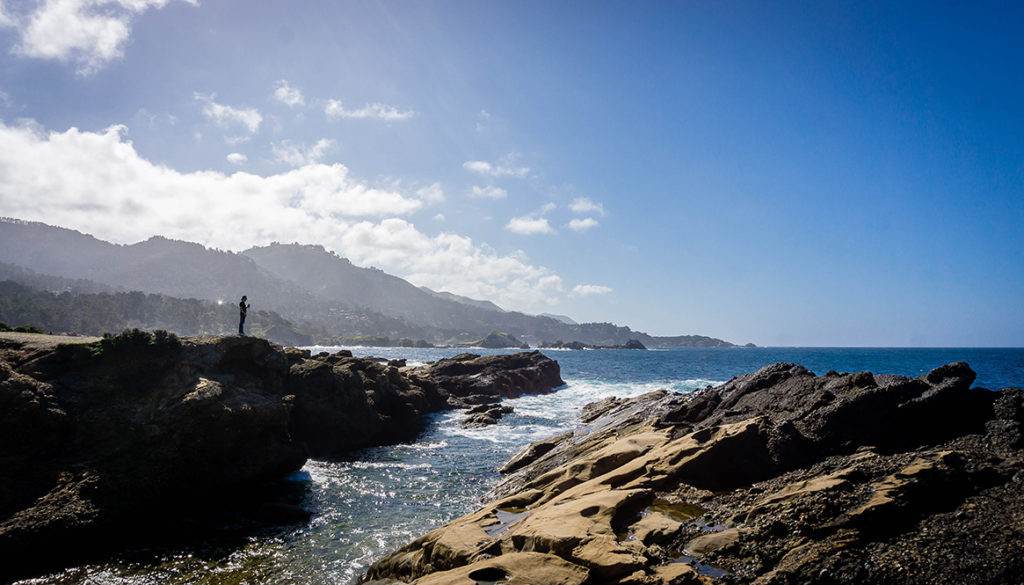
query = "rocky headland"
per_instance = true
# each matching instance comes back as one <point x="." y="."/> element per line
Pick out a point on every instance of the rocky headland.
<point x="775" y="477"/>
<point x="123" y="439"/>
<point x="577" y="345"/>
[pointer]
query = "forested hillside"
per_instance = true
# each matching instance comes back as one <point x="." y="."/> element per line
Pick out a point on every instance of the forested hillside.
<point x="314" y="290"/>
<point x="99" y="313"/>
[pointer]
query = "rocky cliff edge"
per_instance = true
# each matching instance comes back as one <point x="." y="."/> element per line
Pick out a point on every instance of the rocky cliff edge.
<point x="122" y="440"/>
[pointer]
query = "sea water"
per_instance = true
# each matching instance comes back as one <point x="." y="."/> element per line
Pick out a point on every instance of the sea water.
<point x="374" y="501"/>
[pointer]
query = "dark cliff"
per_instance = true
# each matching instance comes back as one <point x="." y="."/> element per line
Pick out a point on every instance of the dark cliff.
<point x="106" y="442"/>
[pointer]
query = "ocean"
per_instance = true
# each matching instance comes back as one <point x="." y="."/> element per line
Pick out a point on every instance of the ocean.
<point x="376" y="500"/>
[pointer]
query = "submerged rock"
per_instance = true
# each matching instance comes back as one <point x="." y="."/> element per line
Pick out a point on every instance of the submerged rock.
<point x="485" y="415"/>
<point x="778" y="476"/>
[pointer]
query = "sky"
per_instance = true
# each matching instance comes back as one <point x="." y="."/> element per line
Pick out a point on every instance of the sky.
<point x="781" y="173"/>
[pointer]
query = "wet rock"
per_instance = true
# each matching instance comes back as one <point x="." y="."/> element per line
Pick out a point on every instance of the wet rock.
<point x="532" y="452"/>
<point x="343" y="403"/>
<point x="485" y="415"/>
<point x="505" y="376"/>
<point x="775" y="477"/>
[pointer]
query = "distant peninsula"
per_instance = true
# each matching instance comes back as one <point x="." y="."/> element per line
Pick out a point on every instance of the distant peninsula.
<point x="577" y="345"/>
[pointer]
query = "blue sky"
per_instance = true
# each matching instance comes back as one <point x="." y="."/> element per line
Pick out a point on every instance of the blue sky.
<point x="776" y="173"/>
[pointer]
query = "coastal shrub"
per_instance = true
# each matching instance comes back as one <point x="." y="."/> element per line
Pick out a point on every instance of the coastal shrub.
<point x="20" y="328"/>
<point x="136" y="339"/>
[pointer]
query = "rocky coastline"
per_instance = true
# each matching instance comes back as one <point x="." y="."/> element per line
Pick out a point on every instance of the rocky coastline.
<point x="775" y="477"/>
<point x="119" y="441"/>
<point x="577" y="345"/>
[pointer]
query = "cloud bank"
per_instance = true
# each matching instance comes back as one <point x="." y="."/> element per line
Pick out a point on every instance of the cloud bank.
<point x="97" y="183"/>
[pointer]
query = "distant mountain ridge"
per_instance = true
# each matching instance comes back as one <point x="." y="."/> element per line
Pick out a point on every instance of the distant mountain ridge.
<point x="306" y="284"/>
<point x="466" y="300"/>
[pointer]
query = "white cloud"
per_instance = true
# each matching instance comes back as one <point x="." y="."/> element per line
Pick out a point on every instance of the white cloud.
<point x="335" y="109"/>
<point x="98" y="183"/>
<point x="300" y="155"/>
<point x="431" y="193"/>
<point x="90" y="33"/>
<point x="477" y="166"/>
<point x="457" y="265"/>
<point x="586" y="290"/>
<point x="6" y="20"/>
<point x="439" y="217"/>
<point x="501" y="170"/>
<point x="288" y="95"/>
<point x="488" y="192"/>
<point x="242" y="123"/>
<point x="583" y="205"/>
<point x="529" y="226"/>
<point x="482" y="118"/>
<point x="579" y="225"/>
<point x="237" y="158"/>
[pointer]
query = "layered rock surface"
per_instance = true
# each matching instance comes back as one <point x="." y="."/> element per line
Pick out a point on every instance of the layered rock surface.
<point x="775" y="477"/>
<point x="99" y="447"/>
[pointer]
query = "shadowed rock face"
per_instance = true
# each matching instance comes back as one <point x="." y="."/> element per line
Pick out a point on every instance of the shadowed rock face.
<point x="100" y="447"/>
<point x="344" y="403"/>
<point x="778" y="476"/>
<point x="129" y="436"/>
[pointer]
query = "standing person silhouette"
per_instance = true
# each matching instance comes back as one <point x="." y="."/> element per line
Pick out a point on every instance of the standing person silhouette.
<point x="242" y="309"/>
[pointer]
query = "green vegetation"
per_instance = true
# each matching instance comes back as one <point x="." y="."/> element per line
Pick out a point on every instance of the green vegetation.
<point x="136" y="339"/>
<point x="20" y="328"/>
<point x="498" y="340"/>
<point x="379" y="341"/>
<point x="98" y="313"/>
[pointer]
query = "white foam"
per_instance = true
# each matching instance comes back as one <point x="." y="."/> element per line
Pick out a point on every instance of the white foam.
<point x="388" y="465"/>
<point x="540" y="416"/>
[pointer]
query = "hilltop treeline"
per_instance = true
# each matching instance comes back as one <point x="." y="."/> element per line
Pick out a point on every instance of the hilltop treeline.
<point x="99" y="313"/>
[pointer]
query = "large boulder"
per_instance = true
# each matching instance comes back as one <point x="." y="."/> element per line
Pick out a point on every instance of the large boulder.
<point x="344" y="403"/>
<point x="468" y="379"/>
